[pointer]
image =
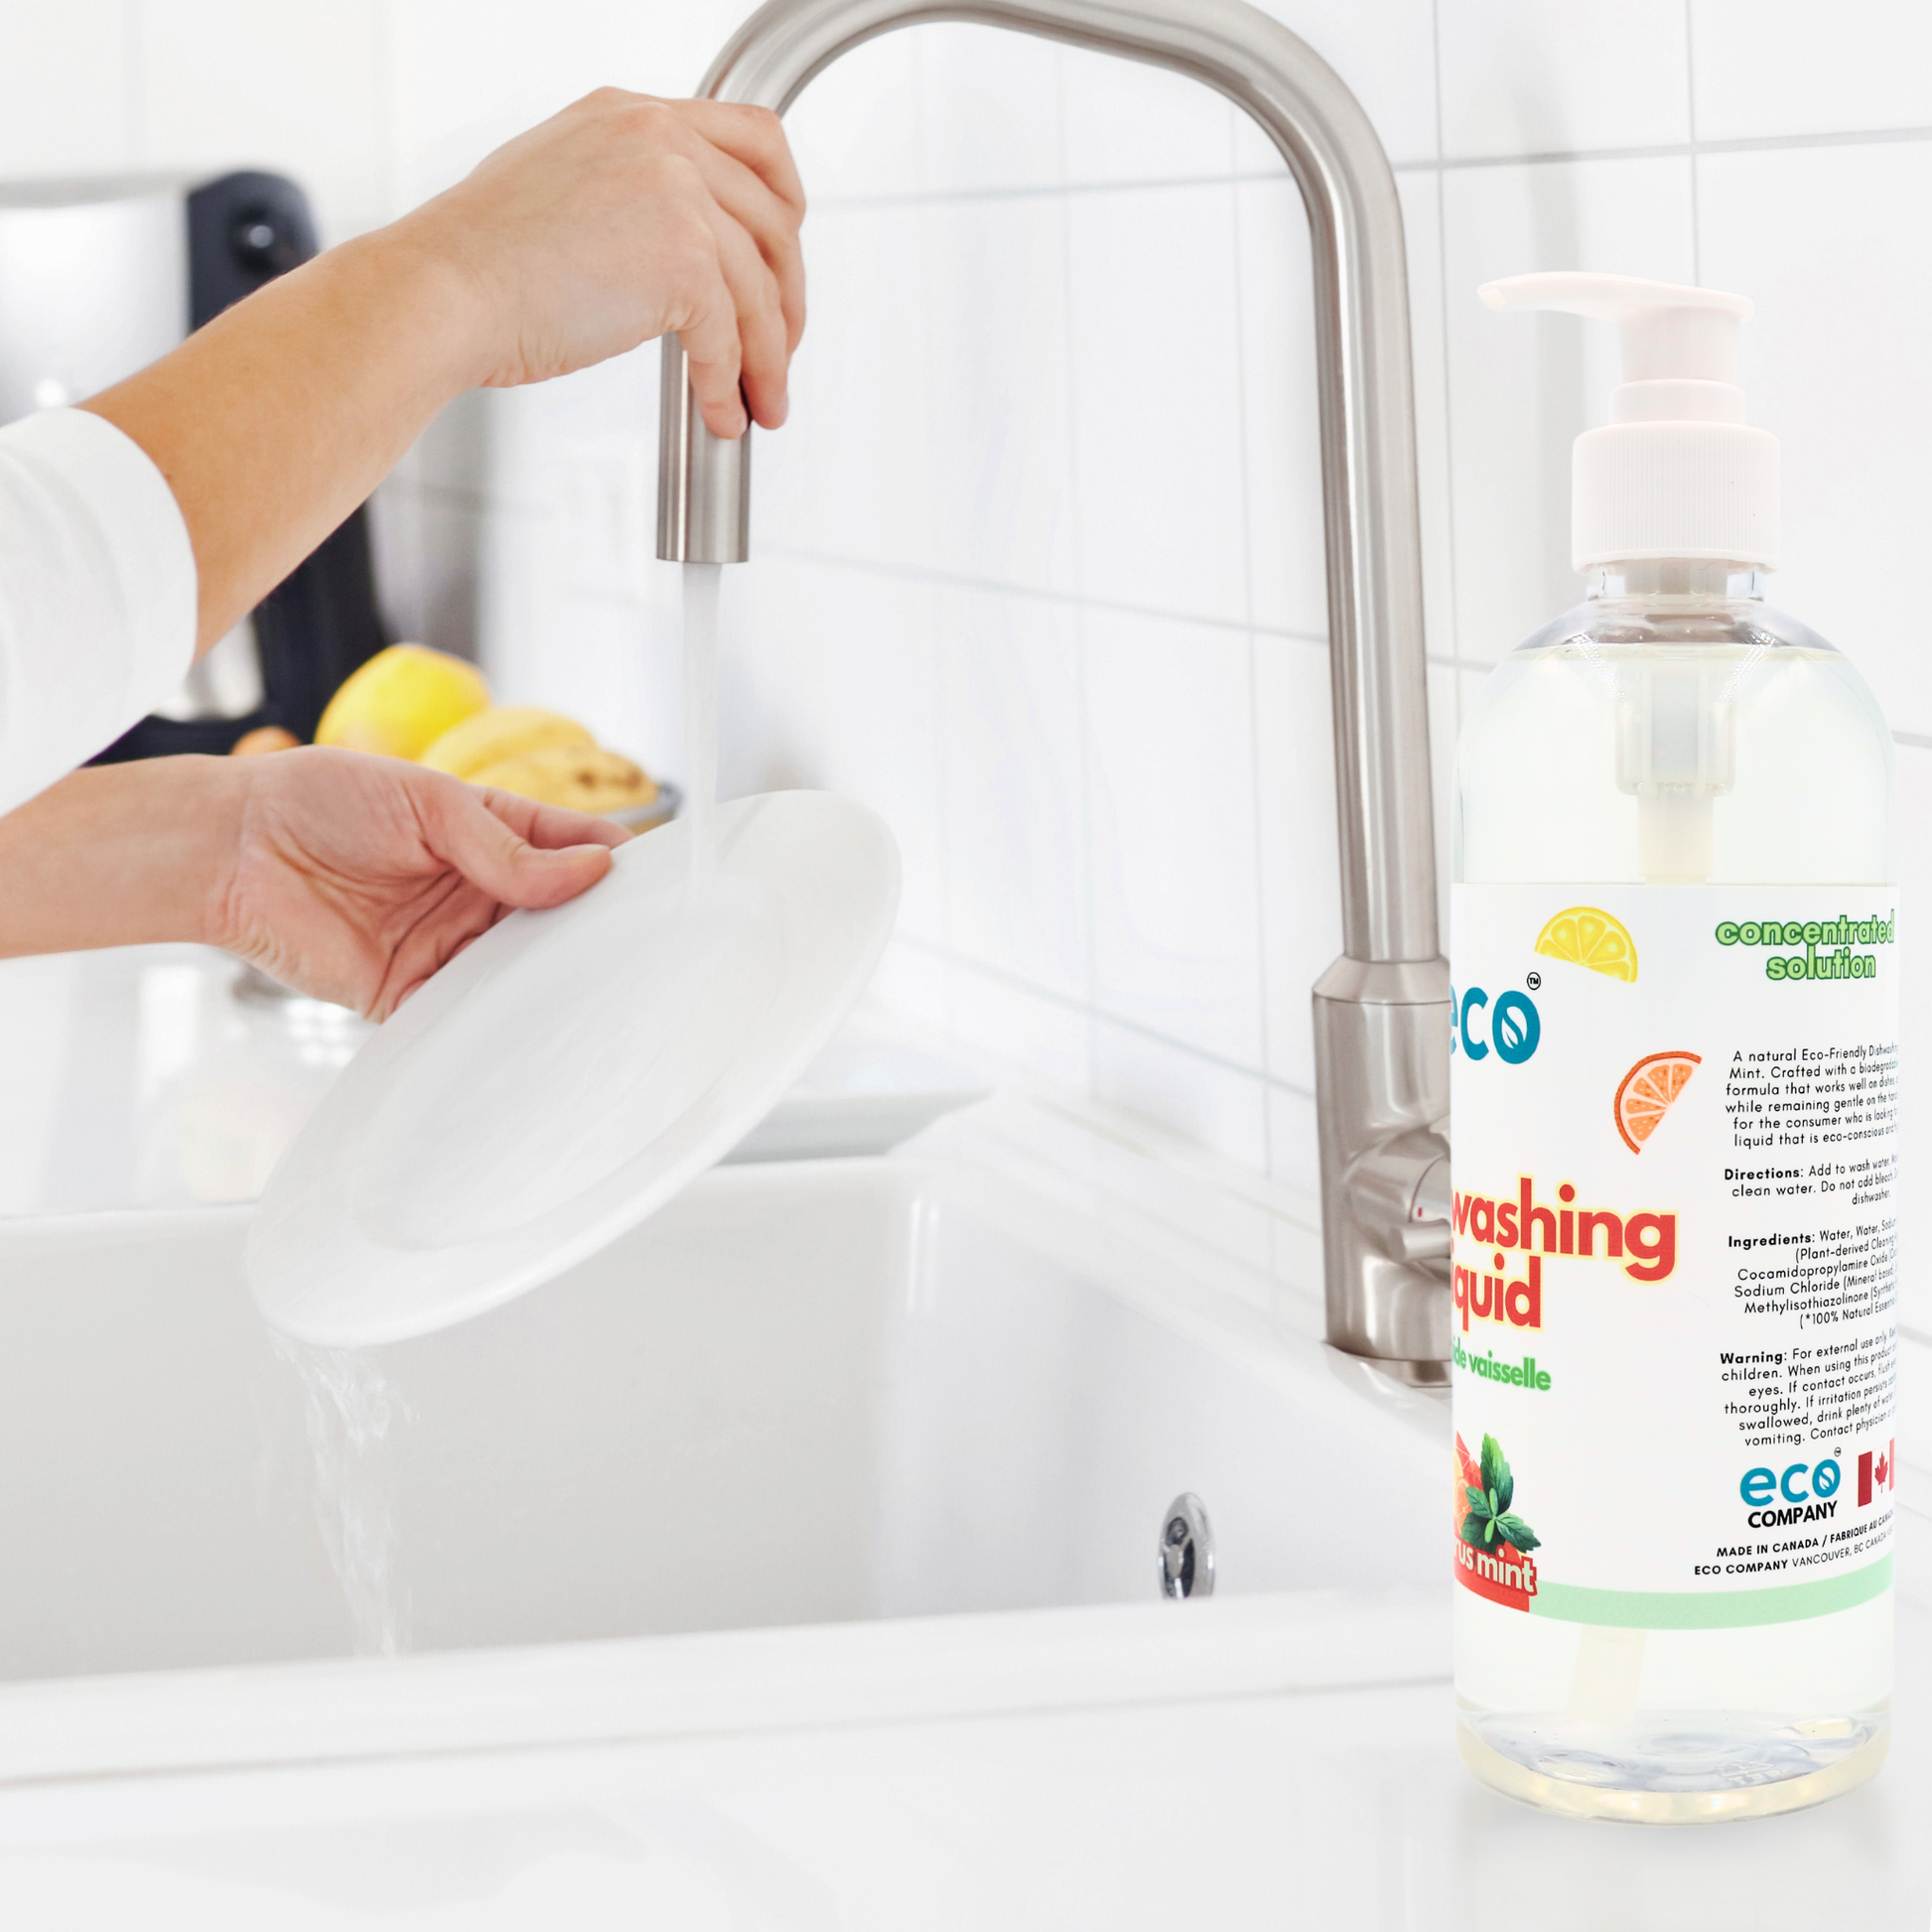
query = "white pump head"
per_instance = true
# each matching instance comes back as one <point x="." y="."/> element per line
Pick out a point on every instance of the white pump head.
<point x="1677" y="472"/>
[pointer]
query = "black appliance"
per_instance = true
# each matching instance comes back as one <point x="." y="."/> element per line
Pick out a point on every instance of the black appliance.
<point x="320" y="621"/>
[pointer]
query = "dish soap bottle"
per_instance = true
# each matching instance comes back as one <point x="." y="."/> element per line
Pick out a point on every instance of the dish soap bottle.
<point x="1674" y="945"/>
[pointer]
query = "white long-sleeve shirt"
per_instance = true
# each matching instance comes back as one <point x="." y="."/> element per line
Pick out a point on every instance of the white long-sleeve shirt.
<point x="97" y="595"/>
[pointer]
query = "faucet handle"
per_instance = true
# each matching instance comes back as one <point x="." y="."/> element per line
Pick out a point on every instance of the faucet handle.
<point x="1399" y="1192"/>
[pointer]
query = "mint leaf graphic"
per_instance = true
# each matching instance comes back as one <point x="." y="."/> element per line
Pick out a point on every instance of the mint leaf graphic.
<point x="1512" y="1528"/>
<point x="1489" y="1522"/>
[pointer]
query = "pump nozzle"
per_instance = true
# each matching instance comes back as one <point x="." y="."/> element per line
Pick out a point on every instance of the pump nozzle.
<point x="1677" y="473"/>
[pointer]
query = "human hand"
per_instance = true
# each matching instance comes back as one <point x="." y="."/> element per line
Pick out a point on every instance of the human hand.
<point x="625" y="217"/>
<point x="616" y="220"/>
<point x="354" y="878"/>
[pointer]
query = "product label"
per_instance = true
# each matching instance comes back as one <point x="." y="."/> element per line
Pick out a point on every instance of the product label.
<point x="1672" y="1155"/>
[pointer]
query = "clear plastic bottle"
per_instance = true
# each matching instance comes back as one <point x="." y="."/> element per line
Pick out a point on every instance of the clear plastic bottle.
<point x="1669" y="762"/>
<point x="1675" y="1725"/>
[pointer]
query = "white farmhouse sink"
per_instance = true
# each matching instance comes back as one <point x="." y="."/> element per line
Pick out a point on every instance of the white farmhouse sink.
<point x="801" y="1394"/>
<point x="791" y="1566"/>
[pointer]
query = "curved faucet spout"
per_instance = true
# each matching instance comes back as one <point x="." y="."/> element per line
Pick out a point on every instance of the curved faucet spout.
<point x="1389" y="995"/>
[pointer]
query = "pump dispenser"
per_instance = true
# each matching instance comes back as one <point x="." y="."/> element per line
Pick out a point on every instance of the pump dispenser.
<point x="1676" y="475"/>
<point x="1677" y="472"/>
<point x="1674" y="943"/>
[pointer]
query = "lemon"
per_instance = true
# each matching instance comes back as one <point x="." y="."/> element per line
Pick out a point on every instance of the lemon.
<point x="577" y="775"/>
<point x="503" y="731"/>
<point x="1589" y="936"/>
<point x="401" y="701"/>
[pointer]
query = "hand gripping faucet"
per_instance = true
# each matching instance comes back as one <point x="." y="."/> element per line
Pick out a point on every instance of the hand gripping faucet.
<point x="1382" y="1010"/>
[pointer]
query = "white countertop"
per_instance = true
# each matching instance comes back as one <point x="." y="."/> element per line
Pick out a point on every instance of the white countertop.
<point x="1245" y="1762"/>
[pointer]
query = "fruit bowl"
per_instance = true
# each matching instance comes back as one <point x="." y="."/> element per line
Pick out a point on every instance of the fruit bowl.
<point x="645" y="818"/>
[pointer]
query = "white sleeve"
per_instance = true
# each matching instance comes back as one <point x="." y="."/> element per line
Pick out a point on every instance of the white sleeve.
<point x="97" y="595"/>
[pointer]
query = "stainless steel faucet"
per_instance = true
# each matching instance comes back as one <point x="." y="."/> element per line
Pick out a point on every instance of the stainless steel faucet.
<point x="1382" y="1010"/>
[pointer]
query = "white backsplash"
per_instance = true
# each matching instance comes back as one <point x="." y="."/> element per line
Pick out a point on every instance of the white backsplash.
<point x="1041" y="552"/>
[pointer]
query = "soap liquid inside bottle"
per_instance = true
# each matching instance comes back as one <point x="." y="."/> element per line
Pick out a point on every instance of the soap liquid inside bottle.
<point x="1674" y="729"/>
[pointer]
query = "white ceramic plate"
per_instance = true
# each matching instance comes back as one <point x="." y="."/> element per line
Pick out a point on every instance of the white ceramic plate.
<point x="571" y="1071"/>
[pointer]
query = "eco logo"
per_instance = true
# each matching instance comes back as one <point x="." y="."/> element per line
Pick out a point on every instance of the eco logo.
<point x="1587" y="935"/>
<point x="1493" y="1543"/>
<point x="1647" y="1091"/>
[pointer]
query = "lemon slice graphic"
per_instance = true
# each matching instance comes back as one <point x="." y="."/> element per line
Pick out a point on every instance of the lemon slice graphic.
<point x="1587" y="935"/>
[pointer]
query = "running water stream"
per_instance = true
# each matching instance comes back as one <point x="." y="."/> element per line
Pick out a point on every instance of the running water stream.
<point x="701" y="715"/>
<point x="348" y="1410"/>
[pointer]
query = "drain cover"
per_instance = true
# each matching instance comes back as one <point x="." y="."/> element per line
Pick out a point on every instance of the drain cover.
<point x="1186" y="1549"/>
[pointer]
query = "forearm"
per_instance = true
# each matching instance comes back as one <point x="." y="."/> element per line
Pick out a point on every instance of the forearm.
<point x="280" y="416"/>
<point x="616" y="220"/>
<point x="119" y="855"/>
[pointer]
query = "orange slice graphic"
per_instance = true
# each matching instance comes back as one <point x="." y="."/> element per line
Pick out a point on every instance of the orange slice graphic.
<point x="1469" y="1475"/>
<point x="1590" y="937"/>
<point x="1647" y="1091"/>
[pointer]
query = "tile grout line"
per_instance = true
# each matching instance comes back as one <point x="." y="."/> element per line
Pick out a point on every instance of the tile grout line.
<point x="1670" y="150"/>
<point x="1248" y="642"/>
<point x="940" y="638"/>
<point x="134" y="132"/>
<point x="1254" y="683"/>
<point x="388" y="67"/>
<point x="1548" y="156"/>
<point x="937" y="636"/>
<point x="1690" y="122"/>
<point x="1090" y="964"/>
<point x="1448" y="414"/>
<point x="1094" y="1012"/>
<point x="961" y="581"/>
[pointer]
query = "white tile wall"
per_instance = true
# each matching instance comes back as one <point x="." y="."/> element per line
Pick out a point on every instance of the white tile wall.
<point x="1522" y="387"/>
<point x="68" y="88"/>
<point x="994" y="324"/>
<point x="1522" y="76"/>
<point x="990" y="111"/>
<point x="208" y="95"/>
<point x="1386" y="50"/>
<point x="1159" y="488"/>
<point x="1830" y="243"/>
<point x="1280" y="431"/>
<point x="1041" y="563"/>
<point x="1788" y="66"/>
<point x="1170" y="804"/>
<point x="1013" y="789"/>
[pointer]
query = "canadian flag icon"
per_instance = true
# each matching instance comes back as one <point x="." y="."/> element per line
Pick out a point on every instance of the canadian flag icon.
<point x="1874" y="1473"/>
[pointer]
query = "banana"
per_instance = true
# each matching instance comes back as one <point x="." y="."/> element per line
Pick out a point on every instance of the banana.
<point x="577" y="775"/>
<point x="505" y="731"/>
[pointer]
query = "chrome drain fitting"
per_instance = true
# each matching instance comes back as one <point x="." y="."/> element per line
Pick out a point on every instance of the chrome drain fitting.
<point x="1186" y="1549"/>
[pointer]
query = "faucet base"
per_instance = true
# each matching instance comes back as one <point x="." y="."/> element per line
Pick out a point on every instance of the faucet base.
<point x="1381" y="1062"/>
<point x="1427" y="1374"/>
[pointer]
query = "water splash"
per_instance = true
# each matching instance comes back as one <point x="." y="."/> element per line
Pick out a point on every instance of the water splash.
<point x="349" y="1410"/>
<point x="701" y="715"/>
